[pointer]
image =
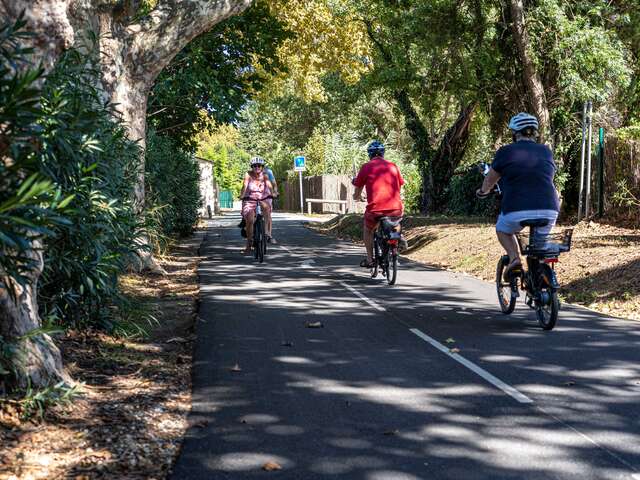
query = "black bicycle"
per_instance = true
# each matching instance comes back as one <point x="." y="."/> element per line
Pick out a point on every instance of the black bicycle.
<point x="259" y="234"/>
<point x="538" y="281"/>
<point x="386" y="239"/>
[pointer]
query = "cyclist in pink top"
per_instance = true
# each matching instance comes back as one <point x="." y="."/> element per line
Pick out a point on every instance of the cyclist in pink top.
<point x="256" y="186"/>
<point x="382" y="181"/>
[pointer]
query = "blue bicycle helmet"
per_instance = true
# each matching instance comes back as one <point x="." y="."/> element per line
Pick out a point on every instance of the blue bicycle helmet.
<point x="375" y="149"/>
<point x="522" y="121"/>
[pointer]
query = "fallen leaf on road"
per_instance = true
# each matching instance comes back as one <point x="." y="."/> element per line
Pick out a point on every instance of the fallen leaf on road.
<point x="177" y="340"/>
<point x="236" y="368"/>
<point x="314" y="325"/>
<point x="271" y="466"/>
<point x="450" y="340"/>
<point x="455" y="350"/>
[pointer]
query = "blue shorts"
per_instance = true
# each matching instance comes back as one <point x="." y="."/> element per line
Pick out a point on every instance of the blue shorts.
<point x="509" y="223"/>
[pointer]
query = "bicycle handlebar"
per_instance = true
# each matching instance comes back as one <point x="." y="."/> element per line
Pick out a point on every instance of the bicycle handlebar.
<point x="484" y="168"/>
<point x="257" y="199"/>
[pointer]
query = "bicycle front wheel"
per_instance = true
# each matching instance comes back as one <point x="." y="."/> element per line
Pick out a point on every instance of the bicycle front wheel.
<point x="507" y="291"/>
<point x="392" y="268"/>
<point x="259" y="240"/>
<point x="547" y="308"/>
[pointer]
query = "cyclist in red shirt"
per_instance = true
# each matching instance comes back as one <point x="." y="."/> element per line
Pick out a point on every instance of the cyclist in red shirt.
<point x="382" y="181"/>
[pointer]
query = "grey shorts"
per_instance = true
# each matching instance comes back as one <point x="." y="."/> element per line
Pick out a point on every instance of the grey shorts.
<point x="509" y="223"/>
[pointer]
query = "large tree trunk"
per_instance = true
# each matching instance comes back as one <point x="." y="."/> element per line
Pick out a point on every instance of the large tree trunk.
<point x="48" y="20"/>
<point x="448" y="157"/>
<point x="38" y="361"/>
<point x="132" y="55"/>
<point x="532" y="78"/>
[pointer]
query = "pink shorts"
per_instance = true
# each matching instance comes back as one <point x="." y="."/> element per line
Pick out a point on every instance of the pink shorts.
<point x="250" y="206"/>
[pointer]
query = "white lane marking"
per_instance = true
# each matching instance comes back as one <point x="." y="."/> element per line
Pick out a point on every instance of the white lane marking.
<point x="368" y="300"/>
<point x="634" y="476"/>
<point x="307" y="263"/>
<point x="508" y="389"/>
<point x="286" y="249"/>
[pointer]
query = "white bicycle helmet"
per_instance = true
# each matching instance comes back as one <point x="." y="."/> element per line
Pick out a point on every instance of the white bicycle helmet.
<point x="257" y="161"/>
<point x="523" y="120"/>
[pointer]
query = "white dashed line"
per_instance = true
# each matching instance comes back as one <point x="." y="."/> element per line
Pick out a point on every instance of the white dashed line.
<point x="363" y="297"/>
<point x="508" y="389"/>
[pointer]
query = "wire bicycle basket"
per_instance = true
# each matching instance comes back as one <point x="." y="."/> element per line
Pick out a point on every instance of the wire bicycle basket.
<point x="545" y="245"/>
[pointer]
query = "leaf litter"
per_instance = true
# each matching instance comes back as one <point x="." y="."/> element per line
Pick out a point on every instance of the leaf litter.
<point x="131" y="414"/>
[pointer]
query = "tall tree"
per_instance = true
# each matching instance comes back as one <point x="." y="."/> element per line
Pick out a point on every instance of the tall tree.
<point x="430" y="59"/>
<point x="135" y="46"/>
<point x="531" y="76"/>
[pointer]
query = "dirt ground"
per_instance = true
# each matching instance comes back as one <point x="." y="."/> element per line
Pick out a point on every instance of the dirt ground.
<point x="601" y="272"/>
<point x="131" y="414"/>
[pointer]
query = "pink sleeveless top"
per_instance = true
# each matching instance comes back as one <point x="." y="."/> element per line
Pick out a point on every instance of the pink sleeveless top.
<point x="257" y="188"/>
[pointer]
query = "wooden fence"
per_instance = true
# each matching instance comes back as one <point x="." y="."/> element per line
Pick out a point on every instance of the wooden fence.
<point x="622" y="163"/>
<point x="330" y="187"/>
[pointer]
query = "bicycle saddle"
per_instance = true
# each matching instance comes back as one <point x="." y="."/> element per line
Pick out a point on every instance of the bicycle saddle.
<point x="534" y="222"/>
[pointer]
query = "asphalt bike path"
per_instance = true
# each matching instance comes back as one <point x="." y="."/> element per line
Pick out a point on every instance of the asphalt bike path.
<point x="421" y="380"/>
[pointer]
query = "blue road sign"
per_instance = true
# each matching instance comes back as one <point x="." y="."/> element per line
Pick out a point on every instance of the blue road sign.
<point x="298" y="164"/>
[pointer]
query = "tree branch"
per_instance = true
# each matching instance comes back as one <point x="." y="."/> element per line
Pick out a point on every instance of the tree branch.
<point x="157" y="38"/>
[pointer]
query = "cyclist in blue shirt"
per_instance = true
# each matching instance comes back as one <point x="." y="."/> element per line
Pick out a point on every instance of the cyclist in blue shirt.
<point x="269" y="222"/>
<point x="525" y="169"/>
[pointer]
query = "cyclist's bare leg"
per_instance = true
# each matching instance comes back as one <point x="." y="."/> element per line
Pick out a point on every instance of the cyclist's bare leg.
<point x="367" y="237"/>
<point x="250" y="219"/>
<point x="510" y="244"/>
<point x="268" y="223"/>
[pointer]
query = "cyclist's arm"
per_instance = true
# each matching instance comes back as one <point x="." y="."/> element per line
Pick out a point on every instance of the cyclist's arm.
<point x="272" y="177"/>
<point x="275" y="188"/>
<point x="357" y="194"/>
<point x="270" y="186"/>
<point x="489" y="181"/>
<point x="245" y="182"/>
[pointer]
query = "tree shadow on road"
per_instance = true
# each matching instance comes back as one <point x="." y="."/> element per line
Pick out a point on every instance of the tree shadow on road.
<point x="374" y="401"/>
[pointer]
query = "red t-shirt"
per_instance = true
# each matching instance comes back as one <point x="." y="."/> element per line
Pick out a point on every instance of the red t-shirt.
<point x="382" y="180"/>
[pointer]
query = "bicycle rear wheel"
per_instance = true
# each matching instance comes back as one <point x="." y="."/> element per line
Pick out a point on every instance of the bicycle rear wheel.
<point x="547" y="308"/>
<point x="376" y="256"/>
<point x="507" y="291"/>
<point x="392" y="268"/>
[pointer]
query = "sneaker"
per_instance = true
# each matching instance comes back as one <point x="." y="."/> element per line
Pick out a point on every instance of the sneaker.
<point x="271" y="240"/>
<point x="366" y="264"/>
<point x="512" y="272"/>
